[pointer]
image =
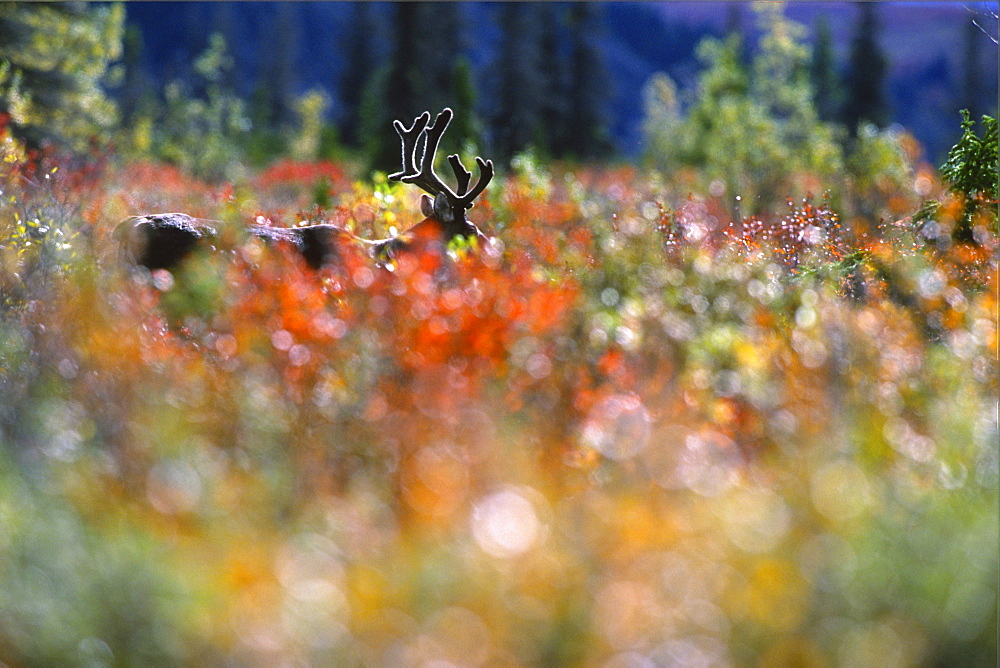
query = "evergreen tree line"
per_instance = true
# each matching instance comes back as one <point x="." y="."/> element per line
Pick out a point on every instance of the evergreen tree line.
<point x="851" y="96"/>
<point x="857" y="96"/>
<point x="544" y="86"/>
<point x="545" y="89"/>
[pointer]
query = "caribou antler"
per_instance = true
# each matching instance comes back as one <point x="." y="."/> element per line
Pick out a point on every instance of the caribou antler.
<point x="425" y="178"/>
<point x="410" y="137"/>
<point x="485" y="176"/>
<point x="462" y="175"/>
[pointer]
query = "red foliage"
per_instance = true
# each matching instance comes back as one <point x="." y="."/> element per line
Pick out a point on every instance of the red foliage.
<point x="290" y="172"/>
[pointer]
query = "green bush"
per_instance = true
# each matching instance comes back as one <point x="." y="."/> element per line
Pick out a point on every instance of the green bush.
<point x="972" y="171"/>
<point x="55" y="60"/>
<point x="754" y="129"/>
<point x="201" y="134"/>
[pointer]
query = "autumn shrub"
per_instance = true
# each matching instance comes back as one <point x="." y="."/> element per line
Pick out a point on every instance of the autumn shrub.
<point x="882" y="168"/>
<point x="44" y="241"/>
<point x="752" y="133"/>
<point x="300" y="182"/>
<point x="753" y="130"/>
<point x="201" y="132"/>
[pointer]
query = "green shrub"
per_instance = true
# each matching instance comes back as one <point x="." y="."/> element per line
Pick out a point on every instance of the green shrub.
<point x="972" y="171"/>
<point x="754" y="129"/>
<point x="55" y="59"/>
<point x="201" y="134"/>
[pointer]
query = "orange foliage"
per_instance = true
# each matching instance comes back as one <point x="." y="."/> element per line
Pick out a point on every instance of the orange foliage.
<point x="290" y="172"/>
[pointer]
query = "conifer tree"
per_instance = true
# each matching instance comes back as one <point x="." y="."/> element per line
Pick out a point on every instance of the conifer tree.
<point x="203" y="133"/>
<point x="590" y="86"/>
<point x="444" y="69"/>
<point x="272" y="105"/>
<point x="54" y="60"/>
<point x="823" y="73"/>
<point x="278" y="69"/>
<point x="736" y="27"/>
<point x="554" y="101"/>
<point x="466" y="126"/>
<point x="427" y="42"/>
<point x="519" y="83"/>
<point x="734" y="20"/>
<point x="866" y="75"/>
<point x="136" y="90"/>
<point x="225" y="23"/>
<point x="393" y="93"/>
<point x="442" y="25"/>
<point x="752" y="128"/>
<point x="361" y="65"/>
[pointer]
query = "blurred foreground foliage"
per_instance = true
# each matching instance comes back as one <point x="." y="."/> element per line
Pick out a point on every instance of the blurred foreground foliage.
<point x="636" y="431"/>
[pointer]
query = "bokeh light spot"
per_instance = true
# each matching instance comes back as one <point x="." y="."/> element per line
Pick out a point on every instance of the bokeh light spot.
<point x="505" y="524"/>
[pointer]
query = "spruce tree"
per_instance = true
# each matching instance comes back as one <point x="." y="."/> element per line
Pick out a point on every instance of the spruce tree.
<point x="736" y="27"/>
<point x="823" y="73"/>
<point x="361" y="65"/>
<point x="419" y="76"/>
<point x="734" y="20"/>
<point x="278" y="69"/>
<point x="442" y="26"/>
<point x="225" y="23"/>
<point x="136" y="90"/>
<point x="272" y="105"/>
<point x="465" y="129"/>
<point x="519" y="83"/>
<point x="590" y="86"/>
<point x="752" y="128"/>
<point x="866" y="75"/>
<point x="393" y="94"/>
<point x="443" y="68"/>
<point x="554" y="101"/>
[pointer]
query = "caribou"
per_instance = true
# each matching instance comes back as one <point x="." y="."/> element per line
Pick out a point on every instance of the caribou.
<point x="163" y="240"/>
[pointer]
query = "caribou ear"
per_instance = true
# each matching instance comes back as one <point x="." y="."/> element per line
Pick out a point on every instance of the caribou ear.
<point x="426" y="206"/>
<point x="443" y="210"/>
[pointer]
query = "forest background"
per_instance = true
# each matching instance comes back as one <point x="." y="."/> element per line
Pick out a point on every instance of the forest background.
<point x="566" y="80"/>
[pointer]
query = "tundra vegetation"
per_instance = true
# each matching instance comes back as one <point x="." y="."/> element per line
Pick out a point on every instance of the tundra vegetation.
<point x="703" y="411"/>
